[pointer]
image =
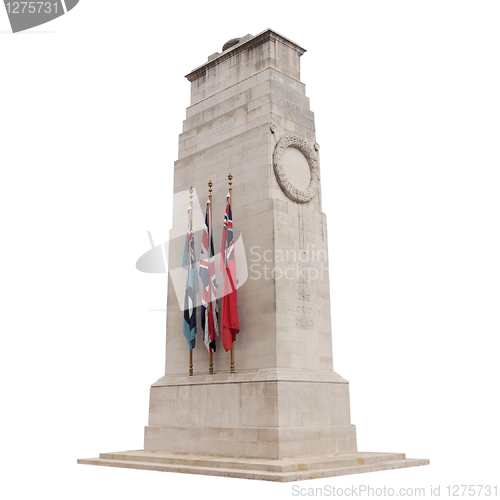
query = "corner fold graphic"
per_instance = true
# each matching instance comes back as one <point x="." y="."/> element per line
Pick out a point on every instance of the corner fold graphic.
<point x="26" y="15"/>
<point x="70" y="4"/>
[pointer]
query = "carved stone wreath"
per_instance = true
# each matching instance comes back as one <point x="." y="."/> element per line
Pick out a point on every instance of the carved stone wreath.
<point x="230" y="43"/>
<point x="291" y="141"/>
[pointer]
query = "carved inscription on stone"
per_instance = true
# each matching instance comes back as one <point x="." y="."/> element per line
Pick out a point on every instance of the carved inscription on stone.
<point x="223" y="107"/>
<point x="223" y="127"/>
<point x="309" y="323"/>
<point x="306" y="311"/>
<point x="292" y="106"/>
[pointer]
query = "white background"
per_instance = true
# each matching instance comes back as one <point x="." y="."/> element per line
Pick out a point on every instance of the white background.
<point x="407" y="107"/>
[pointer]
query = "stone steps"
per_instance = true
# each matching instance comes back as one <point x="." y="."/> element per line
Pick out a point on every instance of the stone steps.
<point x="262" y="469"/>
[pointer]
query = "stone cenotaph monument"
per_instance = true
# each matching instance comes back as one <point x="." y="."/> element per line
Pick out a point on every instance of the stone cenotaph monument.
<point x="283" y="413"/>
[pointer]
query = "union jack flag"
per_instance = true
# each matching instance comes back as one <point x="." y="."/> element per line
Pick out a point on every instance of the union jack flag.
<point x="189" y="263"/>
<point x="209" y="309"/>
<point x="230" y="323"/>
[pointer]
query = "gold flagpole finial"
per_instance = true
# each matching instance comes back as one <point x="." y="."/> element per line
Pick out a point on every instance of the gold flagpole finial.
<point x="230" y="180"/>
<point x="210" y="184"/>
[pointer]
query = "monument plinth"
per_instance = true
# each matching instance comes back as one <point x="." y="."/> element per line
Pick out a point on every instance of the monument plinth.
<point x="284" y="414"/>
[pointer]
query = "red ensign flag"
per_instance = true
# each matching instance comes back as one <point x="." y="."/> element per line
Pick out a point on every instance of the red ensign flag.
<point x="230" y="325"/>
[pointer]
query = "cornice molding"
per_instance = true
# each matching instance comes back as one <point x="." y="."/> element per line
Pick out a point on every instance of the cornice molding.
<point x="259" y="39"/>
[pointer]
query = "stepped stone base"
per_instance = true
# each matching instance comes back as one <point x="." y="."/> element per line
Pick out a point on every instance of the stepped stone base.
<point x="279" y="470"/>
<point x="260" y="414"/>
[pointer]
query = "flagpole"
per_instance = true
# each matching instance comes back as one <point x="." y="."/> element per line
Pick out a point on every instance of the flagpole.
<point x="230" y="180"/>
<point x="210" y="184"/>
<point x="191" y="349"/>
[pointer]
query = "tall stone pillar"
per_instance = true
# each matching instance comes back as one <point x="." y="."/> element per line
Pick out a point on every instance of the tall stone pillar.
<point x="284" y="405"/>
<point x="250" y="116"/>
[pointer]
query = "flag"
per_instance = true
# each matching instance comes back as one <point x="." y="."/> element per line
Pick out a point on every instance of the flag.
<point x="229" y="324"/>
<point x="209" y="312"/>
<point x="189" y="263"/>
